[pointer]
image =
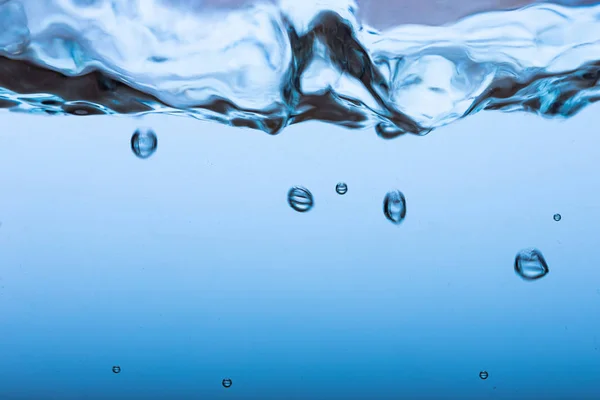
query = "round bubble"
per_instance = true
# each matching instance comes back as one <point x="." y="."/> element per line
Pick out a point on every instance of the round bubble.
<point x="226" y="383"/>
<point x="341" y="188"/>
<point x="557" y="217"/>
<point x="144" y="142"/>
<point x="483" y="375"/>
<point x="116" y="369"/>
<point x="300" y="199"/>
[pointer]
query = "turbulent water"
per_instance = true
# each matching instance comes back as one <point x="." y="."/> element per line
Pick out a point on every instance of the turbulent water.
<point x="266" y="66"/>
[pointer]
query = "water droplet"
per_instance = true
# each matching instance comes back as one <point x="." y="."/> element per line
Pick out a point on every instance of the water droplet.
<point x="116" y="369"/>
<point x="300" y="199"/>
<point x="341" y="188"/>
<point x="530" y="264"/>
<point x="144" y="143"/>
<point x="226" y="383"/>
<point x="394" y="206"/>
<point x="557" y="217"/>
<point x="483" y="375"/>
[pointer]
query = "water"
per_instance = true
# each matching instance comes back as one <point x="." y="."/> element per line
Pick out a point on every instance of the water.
<point x="289" y="62"/>
<point x="190" y="268"/>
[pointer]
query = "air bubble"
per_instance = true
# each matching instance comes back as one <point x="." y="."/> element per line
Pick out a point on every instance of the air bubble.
<point x="144" y="143"/>
<point x="394" y="206"/>
<point x="483" y="375"/>
<point x="300" y="199"/>
<point x="530" y="264"/>
<point x="341" y="188"/>
<point x="116" y="369"/>
<point x="557" y="217"/>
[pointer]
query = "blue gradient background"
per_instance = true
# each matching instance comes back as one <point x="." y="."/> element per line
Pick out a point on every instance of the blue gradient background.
<point x="190" y="267"/>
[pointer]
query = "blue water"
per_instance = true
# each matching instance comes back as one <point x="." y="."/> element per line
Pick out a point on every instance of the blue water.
<point x="267" y="66"/>
<point x="179" y="263"/>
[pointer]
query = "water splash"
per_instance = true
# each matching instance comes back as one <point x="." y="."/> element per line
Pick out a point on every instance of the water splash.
<point x="267" y="66"/>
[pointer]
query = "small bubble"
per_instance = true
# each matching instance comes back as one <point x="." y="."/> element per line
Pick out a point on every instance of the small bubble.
<point x="483" y="375"/>
<point x="557" y="217"/>
<point x="144" y="143"/>
<point x="394" y="206"/>
<point x="530" y="264"/>
<point x="116" y="369"/>
<point x="341" y="188"/>
<point x="300" y="199"/>
<point x="226" y="383"/>
<point x="82" y="108"/>
<point x="388" y="131"/>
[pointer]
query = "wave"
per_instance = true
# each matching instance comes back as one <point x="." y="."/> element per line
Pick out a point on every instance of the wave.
<point x="266" y="66"/>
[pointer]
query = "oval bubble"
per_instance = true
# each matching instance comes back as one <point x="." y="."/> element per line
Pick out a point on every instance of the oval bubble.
<point x="300" y="199"/>
<point x="144" y="143"/>
<point x="394" y="206"/>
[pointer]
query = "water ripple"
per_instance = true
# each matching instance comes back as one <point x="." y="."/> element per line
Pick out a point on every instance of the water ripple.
<point x="268" y="66"/>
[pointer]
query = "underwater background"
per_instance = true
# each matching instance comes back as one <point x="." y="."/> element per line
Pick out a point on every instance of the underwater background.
<point x="174" y="223"/>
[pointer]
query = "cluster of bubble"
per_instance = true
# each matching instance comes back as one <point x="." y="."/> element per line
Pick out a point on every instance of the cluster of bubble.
<point x="394" y="202"/>
<point x="227" y="382"/>
<point x="529" y="263"/>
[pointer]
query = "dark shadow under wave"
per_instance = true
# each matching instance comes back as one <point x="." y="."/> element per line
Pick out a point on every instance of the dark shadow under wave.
<point x="27" y="86"/>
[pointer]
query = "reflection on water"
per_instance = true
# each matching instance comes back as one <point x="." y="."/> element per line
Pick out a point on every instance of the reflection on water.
<point x="292" y="62"/>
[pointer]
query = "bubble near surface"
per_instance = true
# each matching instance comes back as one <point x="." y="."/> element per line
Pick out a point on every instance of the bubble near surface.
<point x="226" y="383"/>
<point x="483" y="375"/>
<point x="300" y="199"/>
<point x="144" y="143"/>
<point x="530" y="264"/>
<point x="394" y="206"/>
<point x="557" y="217"/>
<point x="341" y="188"/>
<point x="116" y="369"/>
